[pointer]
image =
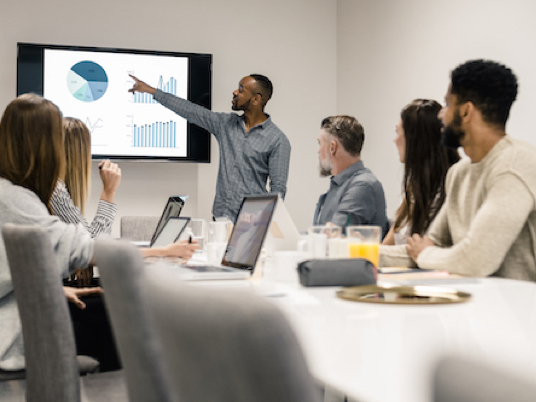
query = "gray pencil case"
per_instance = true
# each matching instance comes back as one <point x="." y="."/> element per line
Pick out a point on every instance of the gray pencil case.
<point x="345" y="272"/>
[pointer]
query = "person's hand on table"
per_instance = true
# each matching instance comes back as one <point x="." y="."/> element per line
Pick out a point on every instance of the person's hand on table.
<point x="73" y="295"/>
<point x="182" y="248"/>
<point x="416" y="244"/>
<point x="140" y="86"/>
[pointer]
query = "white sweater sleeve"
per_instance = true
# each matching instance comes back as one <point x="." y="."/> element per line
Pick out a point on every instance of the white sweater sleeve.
<point x="72" y="244"/>
<point x="492" y="232"/>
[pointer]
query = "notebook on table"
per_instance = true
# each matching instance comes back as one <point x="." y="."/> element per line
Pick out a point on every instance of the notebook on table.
<point x="244" y="245"/>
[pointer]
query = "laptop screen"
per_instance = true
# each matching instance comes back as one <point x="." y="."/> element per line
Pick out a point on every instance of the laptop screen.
<point x="249" y="231"/>
<point x="173" y="208"/>
<point x="171" y="231"/>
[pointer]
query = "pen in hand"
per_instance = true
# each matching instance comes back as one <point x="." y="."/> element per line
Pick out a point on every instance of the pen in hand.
<point x="190" y="240"/>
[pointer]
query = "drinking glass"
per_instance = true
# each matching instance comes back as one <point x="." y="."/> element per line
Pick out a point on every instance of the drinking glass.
<point x="217" y="238"/>
<point x="323" y="241"/>
<point x="199" y="230"/>
<point x="364" y="242"/>
<point x="219" y="231"/>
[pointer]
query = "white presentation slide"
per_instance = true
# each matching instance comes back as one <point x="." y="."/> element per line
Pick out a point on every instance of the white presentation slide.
<point x="93" y="87"/>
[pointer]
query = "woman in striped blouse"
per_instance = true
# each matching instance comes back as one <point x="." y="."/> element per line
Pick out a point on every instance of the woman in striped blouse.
<point x="70" y="196"/>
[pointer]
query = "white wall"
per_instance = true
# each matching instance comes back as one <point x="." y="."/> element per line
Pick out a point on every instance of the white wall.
<point x="390" y="52"/>
<point x="292" y="42"/>
<point x="359" y="57"/>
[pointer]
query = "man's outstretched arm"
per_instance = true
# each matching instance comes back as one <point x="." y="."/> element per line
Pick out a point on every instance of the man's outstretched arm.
<point x="198" y="115"/>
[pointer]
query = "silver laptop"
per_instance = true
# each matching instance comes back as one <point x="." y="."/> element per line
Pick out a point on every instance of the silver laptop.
<point x="244" y="246"/>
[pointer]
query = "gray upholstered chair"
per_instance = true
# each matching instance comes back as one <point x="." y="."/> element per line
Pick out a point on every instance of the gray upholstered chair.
<point x="52" y="372"/>
<point x="138" y="228"/>
<point x="462" y="380"/>
<point x="227" y="345"/>
<point x="121" y="270"/>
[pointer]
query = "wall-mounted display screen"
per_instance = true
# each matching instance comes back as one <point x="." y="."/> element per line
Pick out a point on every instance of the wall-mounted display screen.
<point x="92" y="84"/>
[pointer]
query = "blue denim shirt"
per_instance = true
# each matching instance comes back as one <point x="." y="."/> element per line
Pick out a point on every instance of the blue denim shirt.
<point x="355" y="197"/>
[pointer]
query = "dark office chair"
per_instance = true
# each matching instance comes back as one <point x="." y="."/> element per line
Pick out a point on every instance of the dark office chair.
<point x="121" y="270"/>
<point x="227" y="345"/>
<point x="52" y="372"/>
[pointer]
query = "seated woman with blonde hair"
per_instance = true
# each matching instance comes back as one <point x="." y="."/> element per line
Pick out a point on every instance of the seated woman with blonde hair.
<point x="70" y="195"/>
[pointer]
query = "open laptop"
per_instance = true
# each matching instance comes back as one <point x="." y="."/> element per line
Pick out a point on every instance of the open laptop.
<point x="173" y="208"/>
<point x="171" y="231"/>
<point x="244" y="245"/>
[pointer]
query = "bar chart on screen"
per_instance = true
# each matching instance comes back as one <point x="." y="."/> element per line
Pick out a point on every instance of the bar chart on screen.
<point x="158" y="134"/>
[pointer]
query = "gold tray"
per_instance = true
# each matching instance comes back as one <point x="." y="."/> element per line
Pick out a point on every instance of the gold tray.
<point x="403" y="294"/>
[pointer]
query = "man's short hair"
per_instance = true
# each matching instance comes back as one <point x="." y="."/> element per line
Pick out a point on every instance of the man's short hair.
<point x="264" y="86"/>
<point x="347" y="130"/>
<point x="490" y="86"/>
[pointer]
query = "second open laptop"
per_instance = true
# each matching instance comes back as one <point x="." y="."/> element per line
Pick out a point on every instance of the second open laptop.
<point x="244" y="245"/>
<point x="171" y="231"/>
<point x="173" y="208"/>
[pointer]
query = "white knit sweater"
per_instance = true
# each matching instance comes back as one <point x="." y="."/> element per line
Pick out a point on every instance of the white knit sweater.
<point x="487" y="225"/>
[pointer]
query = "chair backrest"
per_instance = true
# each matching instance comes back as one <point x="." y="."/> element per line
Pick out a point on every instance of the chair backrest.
<point x="227" y="345"/>
<point x="50" y="351"/>
<point x="138" y="228"/>
<point x="121" y="270"/>
<point x="462" y="380"/>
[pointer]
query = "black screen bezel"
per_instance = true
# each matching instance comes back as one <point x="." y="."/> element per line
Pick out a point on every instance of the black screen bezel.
<point x="30" y="62"/>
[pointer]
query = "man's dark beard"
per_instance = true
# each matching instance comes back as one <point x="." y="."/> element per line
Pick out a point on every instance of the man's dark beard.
<point x="244" y="107"/>
<point x="453" y="133"/>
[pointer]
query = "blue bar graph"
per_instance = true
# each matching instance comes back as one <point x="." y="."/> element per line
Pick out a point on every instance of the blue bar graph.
<point x="155" y="135"/>
<point x="169" y="87"/>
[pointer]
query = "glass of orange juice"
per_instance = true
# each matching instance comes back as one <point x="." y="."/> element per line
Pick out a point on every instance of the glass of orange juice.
<point x="364" y="242"/>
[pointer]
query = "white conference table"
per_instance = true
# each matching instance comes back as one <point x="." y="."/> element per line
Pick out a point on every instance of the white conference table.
<point x="377" y="352"/>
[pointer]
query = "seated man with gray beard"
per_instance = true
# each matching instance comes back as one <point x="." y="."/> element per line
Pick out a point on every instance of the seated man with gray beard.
<point x="355" y="196"/>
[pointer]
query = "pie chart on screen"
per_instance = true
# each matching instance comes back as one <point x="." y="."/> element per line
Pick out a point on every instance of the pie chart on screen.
<point x="87" y="81"/>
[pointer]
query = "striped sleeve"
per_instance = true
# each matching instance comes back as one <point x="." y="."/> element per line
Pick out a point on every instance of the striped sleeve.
<point x="63" y="207"/>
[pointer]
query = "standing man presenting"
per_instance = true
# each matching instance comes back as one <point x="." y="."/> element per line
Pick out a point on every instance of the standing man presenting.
<point x="252" y="147"/>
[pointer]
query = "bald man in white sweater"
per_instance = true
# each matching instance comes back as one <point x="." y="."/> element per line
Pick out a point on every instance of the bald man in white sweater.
<point x="487" y="225"/>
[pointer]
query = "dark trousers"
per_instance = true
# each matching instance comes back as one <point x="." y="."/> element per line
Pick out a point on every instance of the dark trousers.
<point x="93" y="333"/>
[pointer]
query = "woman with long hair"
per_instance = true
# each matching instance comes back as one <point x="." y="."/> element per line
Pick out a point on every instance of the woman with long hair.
<point x="426" y="161"/>
<point x="32" y="149"/>
<point x="70" y="195"/>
